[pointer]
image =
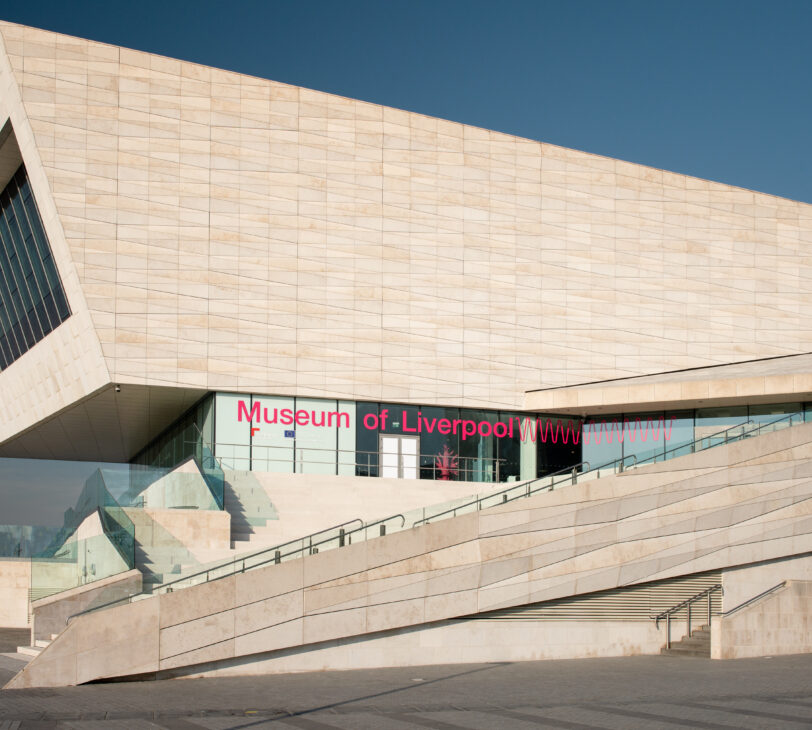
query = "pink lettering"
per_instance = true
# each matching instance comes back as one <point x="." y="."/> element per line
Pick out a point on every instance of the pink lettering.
<point x="242" y="410"/>
<point x="340" y="416"/>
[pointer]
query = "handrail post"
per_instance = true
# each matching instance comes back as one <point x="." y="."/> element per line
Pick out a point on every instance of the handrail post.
<point x="709" y="609"/>
<point x="668" y="631"/>
<point x="341" y="537"/>
<point x="689" y="620"/>
<point x="575" y="475"/>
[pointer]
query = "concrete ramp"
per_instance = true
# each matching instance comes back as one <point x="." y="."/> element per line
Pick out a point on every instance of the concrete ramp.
<point x="734" y="505"/>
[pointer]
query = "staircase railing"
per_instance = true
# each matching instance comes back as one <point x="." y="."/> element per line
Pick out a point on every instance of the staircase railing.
<point x="525" y="489"/>
<point x="752" y="600"/>
<point x="308" y="545"/>
<point x="687" y="603"/>
<point x="508" y="495"/>
<point x="571" y="474"/>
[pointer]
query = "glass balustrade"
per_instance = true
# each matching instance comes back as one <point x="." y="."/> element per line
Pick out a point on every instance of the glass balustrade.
<point x="352" y="533"/>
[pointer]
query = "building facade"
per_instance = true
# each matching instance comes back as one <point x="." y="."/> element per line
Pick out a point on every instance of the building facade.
<point x="214" y="232"/>
<point x="210" y="280"/>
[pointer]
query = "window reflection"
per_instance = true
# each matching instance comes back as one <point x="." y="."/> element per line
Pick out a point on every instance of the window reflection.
<point x="32" y="301"/>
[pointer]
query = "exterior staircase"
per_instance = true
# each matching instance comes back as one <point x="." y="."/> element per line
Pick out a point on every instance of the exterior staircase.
<point x="250" y="508"/>
<point x="36" y="647"/>
<point x="697" y="644"/>
<point x="159" y="555"/>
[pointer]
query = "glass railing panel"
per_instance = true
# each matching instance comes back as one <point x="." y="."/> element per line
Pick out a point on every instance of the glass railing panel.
<point x="77" y="562"/>
<point x="25" y="541"/>
<point x="333" y="539"/>
<point x="213" y="474"/>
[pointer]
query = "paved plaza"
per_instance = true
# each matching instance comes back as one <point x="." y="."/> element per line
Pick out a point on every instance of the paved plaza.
<point x="635" y="692"/>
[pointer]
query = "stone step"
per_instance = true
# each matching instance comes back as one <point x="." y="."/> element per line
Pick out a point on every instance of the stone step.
<point x="42" y="643"/>
<point x="698" y="644"/>
<point x="697" y="633"/>
<point x="692" y="643"/>
<point x="29" y="650"/>
<point x="704" y="635"/>
<point x="685" y="652"/>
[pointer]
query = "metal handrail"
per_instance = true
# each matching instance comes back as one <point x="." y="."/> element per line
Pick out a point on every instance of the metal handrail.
<point x="758" y="427"/>
<point x="299" y="455"/>
<point x="687" y="603"/>
<point x="523" y="488"/>
<point x="617" y="465"/>
<point x="719" y="434"/>
<point x="749" y="601"/>
<point x="344" y="537"/>
<point x="524" y="492"/>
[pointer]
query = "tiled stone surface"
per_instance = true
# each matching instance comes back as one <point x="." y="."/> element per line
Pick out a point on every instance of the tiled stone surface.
<point x="775" y="625"/>
<point x="732" y="513"/>
<point x="228" y="232"/>
<point x="15" y="581"/>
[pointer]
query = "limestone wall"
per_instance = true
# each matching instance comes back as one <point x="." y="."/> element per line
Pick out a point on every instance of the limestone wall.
<point x="15" y="579"/>
<point x="738" y="504"/>
<point x="778" y="624"/>
<point x="743" y="583"/>
<point x="453" y="642"/>
<point x="50" y="614"/>
<point x="369" y="252"/>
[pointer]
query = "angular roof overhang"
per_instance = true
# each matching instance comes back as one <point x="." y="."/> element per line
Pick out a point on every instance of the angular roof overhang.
<point x="771" y="380"/>
<point x="108" y="425"/>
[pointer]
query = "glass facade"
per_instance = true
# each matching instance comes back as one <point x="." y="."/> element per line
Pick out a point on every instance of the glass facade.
<point x="643" y="435"/>
<point x="32" y="301"/>
<point x="186" y="437"/>
<point x="452" y="444"/>
<point x="300" y="435"/>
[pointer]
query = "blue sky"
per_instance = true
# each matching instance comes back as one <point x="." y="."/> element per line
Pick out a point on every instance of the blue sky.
<point x="718" y="89"/>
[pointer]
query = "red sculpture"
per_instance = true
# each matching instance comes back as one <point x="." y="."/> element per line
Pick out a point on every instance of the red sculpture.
<point x="447" y="464"/>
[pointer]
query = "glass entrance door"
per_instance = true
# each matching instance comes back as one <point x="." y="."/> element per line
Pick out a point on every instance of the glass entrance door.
<point x="399" y="456"/>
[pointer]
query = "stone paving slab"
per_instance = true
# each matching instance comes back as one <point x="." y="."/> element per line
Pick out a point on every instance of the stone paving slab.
<point x="615" y="694"/>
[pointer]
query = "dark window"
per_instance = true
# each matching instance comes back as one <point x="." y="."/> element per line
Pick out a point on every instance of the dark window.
<point x="32" y="301"/>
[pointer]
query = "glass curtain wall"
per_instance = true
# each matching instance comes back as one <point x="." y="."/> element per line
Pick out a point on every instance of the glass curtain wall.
<point x="191" y="435"/>
<point x="326" y="436"/>
<point x="643" y="435"/>
<point x="32" y="300"/>
<point x="285" y="434"/>
<point x="453" y="444"/>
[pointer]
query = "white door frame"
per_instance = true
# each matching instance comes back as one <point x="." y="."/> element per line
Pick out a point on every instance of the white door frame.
<point x="403" y="458"/>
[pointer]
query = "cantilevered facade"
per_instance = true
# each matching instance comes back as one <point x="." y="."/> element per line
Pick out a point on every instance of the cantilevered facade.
<point x="335" y="295"/>
<point x="220" y="232"/>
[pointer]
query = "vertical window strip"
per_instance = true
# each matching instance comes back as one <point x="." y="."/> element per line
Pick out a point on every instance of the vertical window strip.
<point x="32" y="300"/>
<point x="26" y="268"/>
<point x="33" y="259"/>
<point x="16" y="343"/>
